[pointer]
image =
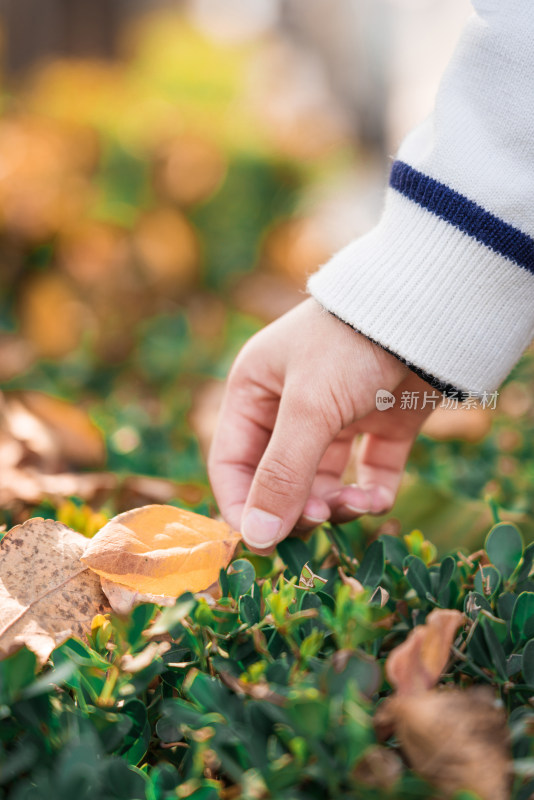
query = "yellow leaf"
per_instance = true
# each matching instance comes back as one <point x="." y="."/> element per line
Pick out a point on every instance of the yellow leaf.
<point x="161" y="550"/>
<point x="46" y="594"/>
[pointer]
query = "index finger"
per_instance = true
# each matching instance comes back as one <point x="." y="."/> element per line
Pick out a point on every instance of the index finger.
<point x="243" y="431"/>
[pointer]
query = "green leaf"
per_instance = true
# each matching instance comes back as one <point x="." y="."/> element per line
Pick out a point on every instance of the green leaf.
<point x="355" y="666"/>
<point x="487" y="581"/>
<point x="526" y="791"/>
<point x="327" y="600"/>
<point x="372" y="567"/>
<point x="209" y="693"/>
<point x="505" y="605"/>
<point x="311" y="644"/>
<point x="419" y="578"/>
<point x="514" y="664"/>
<point x="499" y="626"/>
<point x="309" y="580"/>
<point x="16" y="673"/>
<point x="123" y="781"/>
<point x="139" y="620"/>
<point x="446" y="572"/>
<point x="527" y="662"/>
<point x="137" y="739"/>
<point x="170" y="619"/>
<point x="522" y="622"/>
<point x="49" y="681"/>
<point x="504" y="546"/>
<point x="249" y="610"/>
<point x="310" y="717"/>
<point x="495" y="649"/>
<point x="395" y="551"/>
<point x="164" y="778"/>
<point x="474" y="604"/>
<point x="240" y="576"/>
<point x="526" y="564"/>
<point x="205" y="793"/>
<point x="478" y="649"/>
<point x="294" y="553"/>
<point x="175" y="714"/>
<point x="223" y="582"/>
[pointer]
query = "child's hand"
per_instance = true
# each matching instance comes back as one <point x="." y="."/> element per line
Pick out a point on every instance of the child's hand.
<point x="297" y="395"/>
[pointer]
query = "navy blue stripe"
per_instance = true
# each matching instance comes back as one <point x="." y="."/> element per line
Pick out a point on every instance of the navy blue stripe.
<point x="464" y="214"/>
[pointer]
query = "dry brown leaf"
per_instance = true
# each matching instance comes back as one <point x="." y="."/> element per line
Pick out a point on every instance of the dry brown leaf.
<point x="379" y="767"/>
<point x="78" y="440"/>
<point x="294" y="247"/>
<point x="259" y="691"/>
<point x="416" y="664"/>
<point x="141" y="660"/>
<point x="52" y="317"/>
<point x="356" y="588"/>
<point x="16" y="355"/>
<point x="20" y="487"/>
<point x="469" y="424"/>
<point x="189" y="169"/>
<point x="139" y="490"/>
<point x="168" y="249"/>
<point x="55" y="434"/>
<point x="455" y="739"/>
<point x="161" y="550"/>
<point x="46" y="593"/>
<point x="123" y="598"/>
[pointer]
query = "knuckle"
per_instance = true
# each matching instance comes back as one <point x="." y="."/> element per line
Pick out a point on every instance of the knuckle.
<point x="327" y="407"/>
<point x="238" y="372"/>
<point x="246" y="367"/>
<point x="278" y="478"/>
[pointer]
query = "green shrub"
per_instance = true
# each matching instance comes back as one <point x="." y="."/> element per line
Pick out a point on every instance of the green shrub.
<point x="270" y="692"/>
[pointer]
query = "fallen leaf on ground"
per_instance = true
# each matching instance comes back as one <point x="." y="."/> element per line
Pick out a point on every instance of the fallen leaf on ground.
<point x="16" y="355"/>
<point x="51" y="335"/>
<point x="25" y="487"/>
<point x="140" y="490"/>
<point x="53" y="429"/>
<point x="161" y="550"/>
<point x="456" y="739"/>
<point x="46" y="593"/>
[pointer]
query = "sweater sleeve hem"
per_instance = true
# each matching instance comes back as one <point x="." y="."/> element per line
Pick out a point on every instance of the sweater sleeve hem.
<point x="449" y="305"/>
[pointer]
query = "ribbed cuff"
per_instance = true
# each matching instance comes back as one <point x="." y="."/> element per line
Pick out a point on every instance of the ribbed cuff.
<point x="457" y="312"/>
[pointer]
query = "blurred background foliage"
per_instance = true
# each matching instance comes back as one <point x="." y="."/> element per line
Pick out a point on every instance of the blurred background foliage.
<point x="167" y="182"/>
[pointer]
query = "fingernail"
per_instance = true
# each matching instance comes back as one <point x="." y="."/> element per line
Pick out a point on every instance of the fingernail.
<point x="356" y="509"/>
<point x="314" y="520"/>
<point x="360" y="501"/>
<point x="261" y="529"/>
<point x="383" y="500"/>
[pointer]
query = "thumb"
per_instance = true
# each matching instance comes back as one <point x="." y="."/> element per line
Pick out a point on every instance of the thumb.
<point x="285" y="474"/>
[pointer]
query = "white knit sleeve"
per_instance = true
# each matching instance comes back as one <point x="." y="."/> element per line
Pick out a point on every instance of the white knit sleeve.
<point x="445" y="281"/>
